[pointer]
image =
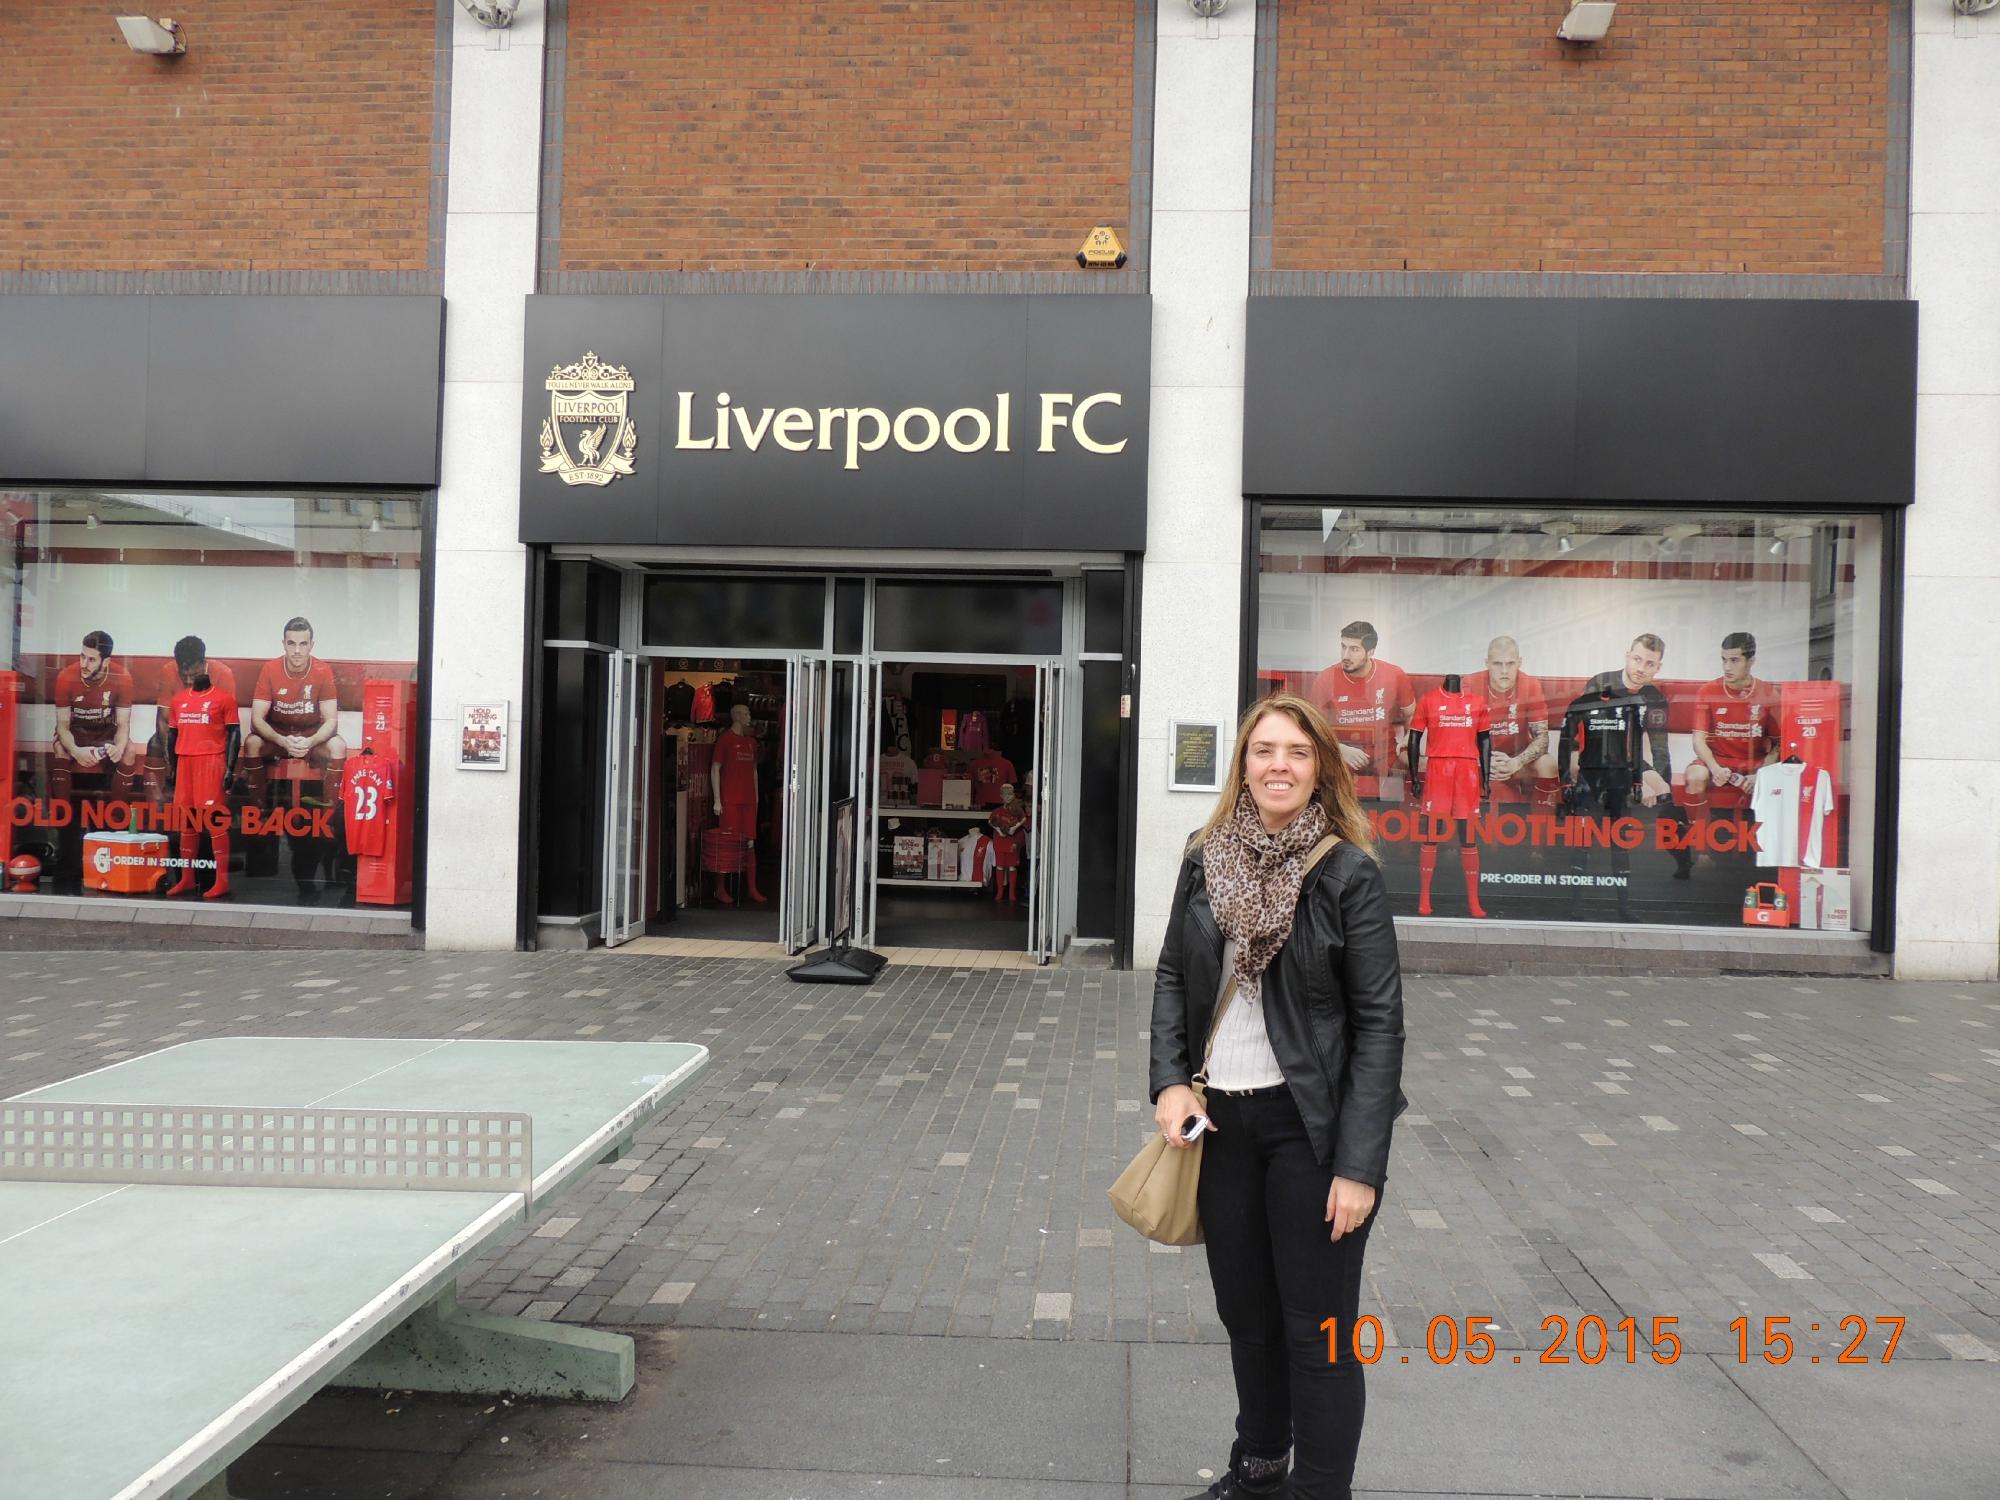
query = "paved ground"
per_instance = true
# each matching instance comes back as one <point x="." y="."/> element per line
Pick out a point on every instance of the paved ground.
<point x="871" y="1253"/>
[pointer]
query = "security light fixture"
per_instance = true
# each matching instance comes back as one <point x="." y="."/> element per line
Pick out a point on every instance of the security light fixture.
<point x="1208" y="10"/>
<point x="161" y="38"/>
<point x="1588" y="21"/>
<point x="1973" y="7"/>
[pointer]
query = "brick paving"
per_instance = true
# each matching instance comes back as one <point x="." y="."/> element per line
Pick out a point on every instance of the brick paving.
<point x="929" y="1155"/>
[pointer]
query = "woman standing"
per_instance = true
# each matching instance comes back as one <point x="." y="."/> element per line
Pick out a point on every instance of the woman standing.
<point x="1303" y="1084"/>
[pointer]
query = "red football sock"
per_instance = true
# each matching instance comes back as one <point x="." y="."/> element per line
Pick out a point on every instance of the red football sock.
<point x="190" y="847"/>
<point x="1696" y="807"/>
<point x="1548" y="791"/>
<point x="1468" y="858"/>
<point x="219" y="842"/>
<point x="1427" y="863"/>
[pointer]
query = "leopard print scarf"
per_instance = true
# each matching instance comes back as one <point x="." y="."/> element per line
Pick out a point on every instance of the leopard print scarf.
<point x="1253" y="880"/>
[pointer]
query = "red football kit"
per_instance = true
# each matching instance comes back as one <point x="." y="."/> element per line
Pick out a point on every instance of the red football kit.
<point x="295" y="702"/>
<point x="93" y="703"/>
<point x="1742" y="728"/>
<point x="1451" y="724"/>
<point x="201" y="722"/>
<point x="989" y="773"/>
<point x="1366" y="710"/>
<point x="735" y="756"/>
<point x="365" y="798"/>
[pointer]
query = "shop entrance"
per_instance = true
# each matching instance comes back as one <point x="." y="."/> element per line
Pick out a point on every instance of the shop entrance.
<point x="725" y="769"/>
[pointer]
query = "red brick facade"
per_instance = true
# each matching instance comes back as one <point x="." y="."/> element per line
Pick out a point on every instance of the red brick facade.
<point x="1700" y="136"/>
<point x="767" y="135"/>
<point x="289" y="137"/>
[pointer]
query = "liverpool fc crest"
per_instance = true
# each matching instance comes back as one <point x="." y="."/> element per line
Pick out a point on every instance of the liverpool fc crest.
<point x="587" y="438"/>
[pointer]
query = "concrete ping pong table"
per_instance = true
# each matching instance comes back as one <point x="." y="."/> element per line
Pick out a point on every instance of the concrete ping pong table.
<point x="194" y="1241"/>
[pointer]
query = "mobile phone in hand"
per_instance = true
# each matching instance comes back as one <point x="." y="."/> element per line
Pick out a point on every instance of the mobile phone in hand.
<point x="1192" y="1128"/>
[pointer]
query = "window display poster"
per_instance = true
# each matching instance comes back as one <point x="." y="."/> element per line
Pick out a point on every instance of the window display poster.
<point x="1196" y="749"/>
<point x="183" y="692"/>
<point x="482" y="736"/>
<point x="1682" y="707"/>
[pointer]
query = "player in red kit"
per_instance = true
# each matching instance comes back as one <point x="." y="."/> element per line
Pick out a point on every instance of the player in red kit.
<point x="732" y="777"/>
<point x="1369" y="703"/>
<point x="93" y="701"/>
<point x="202" y="736"/>
<point x="1735" y="731"/>
<point x="1453" y="725"/>
<point x="295" y="713"/>
<point x="1521" y="763"/>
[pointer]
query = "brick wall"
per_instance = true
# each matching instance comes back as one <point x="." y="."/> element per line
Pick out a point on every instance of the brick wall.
<point x="1701" y="136"/>
<point x="771" y="135"/>
<point x="293" y="136"/>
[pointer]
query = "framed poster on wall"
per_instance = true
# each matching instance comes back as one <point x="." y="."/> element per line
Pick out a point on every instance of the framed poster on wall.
<point x="482" y="736"/>
<point x="1195" y="763"/>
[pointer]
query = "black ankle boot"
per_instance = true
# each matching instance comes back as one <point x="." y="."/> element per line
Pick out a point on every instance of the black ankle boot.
<point x="1248" y="1478"/>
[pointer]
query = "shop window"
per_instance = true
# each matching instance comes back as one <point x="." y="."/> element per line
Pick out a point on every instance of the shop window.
<point x="212" y="696"/>
<point x="1682" y="706"/>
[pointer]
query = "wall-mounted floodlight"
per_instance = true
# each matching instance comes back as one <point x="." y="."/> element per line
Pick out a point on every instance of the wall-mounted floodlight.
<point x="161" y="38"/>
<point x="1588" y="21"/>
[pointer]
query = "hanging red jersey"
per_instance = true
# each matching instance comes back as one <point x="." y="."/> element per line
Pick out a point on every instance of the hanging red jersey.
<point x="202" y="720"/>
<point x="366" y="795"/>
<point x="989" y="773"/>
<point x="1451" y="724"/>
<point x="972" y="732"/>
<point x="736" y="756"/>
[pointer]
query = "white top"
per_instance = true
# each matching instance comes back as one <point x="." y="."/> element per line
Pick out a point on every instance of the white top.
<point x="1242" y="1058"/>
<point x="1792" y="810"/>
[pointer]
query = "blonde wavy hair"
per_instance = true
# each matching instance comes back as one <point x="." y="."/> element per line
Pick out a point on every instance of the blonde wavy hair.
<point x="1334" y="791"/>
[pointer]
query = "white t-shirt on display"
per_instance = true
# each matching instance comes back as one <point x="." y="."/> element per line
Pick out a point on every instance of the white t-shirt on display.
<point x="1792" y="810"/>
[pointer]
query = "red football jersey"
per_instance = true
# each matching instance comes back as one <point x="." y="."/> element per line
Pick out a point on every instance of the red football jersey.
<point x="295" y="701"/>
<point x="170" y="684"/>
<point x="366" y="794"/>
<point x="1451" y="724"/>
<point x="93" y="706"/>
<point x="736" y="754"/>
<point x="1517" y="718"/>
<point x="202" y="721"/>
<point x="1365" y="710"/>
<point x="989" y="773"/>
<point x="1741" y="727"/>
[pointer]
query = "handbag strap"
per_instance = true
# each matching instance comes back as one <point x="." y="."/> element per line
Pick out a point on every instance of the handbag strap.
<point x="1319" y="852"/>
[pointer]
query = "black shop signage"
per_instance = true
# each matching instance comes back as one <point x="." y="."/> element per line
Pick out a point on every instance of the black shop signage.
<point x="983" y="422"/>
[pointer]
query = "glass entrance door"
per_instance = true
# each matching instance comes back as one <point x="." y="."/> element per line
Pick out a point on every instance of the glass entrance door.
<point x="804" y="792"/>
<point x="625" y="771"/>
<point x="1046" y="933"/>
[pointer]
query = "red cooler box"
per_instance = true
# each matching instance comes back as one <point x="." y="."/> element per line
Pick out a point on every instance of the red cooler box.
<point x="124" y="864"/>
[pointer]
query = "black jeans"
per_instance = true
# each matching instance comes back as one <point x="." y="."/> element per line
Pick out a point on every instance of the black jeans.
<point x="1278" y="1275"/>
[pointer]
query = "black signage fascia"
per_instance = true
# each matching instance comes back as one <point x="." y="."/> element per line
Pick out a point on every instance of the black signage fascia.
<point x="329" y="390"/>
<point x="1736" y="403"/>
<point x="890" y="353"/>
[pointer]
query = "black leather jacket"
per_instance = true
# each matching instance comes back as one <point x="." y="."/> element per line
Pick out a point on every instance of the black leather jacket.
<point x="1332" y="1001"/>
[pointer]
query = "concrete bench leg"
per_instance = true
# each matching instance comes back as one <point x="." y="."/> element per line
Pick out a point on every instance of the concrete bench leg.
<point x="444" y="1347"/>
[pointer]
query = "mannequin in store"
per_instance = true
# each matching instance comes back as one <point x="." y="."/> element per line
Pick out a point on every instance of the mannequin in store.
<point x="1009" y="825"/>
<point x="1453" y="781"/>
<point x="202" y="739"/>
<point x="1604" y="729"/>
<point x="732" y="778"/>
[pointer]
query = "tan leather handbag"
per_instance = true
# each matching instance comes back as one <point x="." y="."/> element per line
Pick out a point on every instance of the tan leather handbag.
<point x="1156" y="1193"/>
